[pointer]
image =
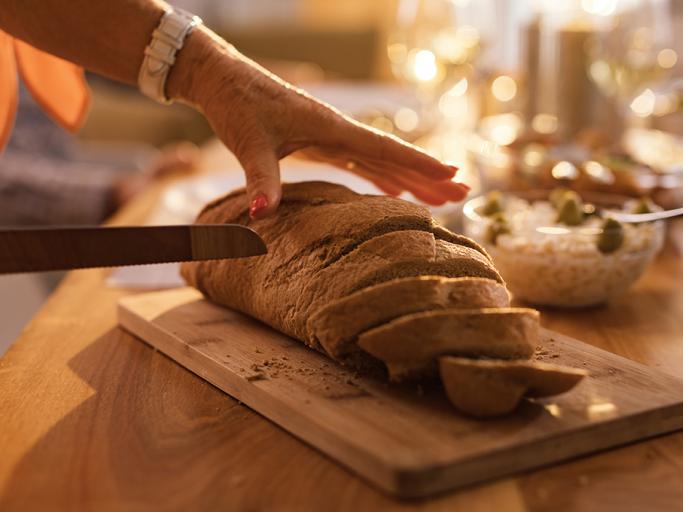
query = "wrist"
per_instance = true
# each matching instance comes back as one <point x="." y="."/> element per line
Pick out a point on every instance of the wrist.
<point x="190" y="76"/>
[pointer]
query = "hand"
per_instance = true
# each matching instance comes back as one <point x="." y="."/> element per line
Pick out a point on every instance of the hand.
<point x="262" y="119"/>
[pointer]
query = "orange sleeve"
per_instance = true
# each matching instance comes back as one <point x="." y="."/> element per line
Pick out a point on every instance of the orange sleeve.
<point x="57" y="85"/>
<point x="8" y="88"/>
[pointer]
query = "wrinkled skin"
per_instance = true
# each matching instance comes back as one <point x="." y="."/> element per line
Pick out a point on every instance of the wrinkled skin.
<point x="262" y="118"/>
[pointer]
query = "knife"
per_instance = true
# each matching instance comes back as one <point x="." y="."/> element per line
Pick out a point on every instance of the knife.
<point x="65" y="248"/>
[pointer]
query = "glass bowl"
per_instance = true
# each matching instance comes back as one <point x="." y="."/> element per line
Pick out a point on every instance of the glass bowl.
<point x="550" y="264"/>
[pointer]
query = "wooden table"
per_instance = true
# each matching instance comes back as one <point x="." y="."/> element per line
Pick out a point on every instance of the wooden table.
<point x="92" y="418"/>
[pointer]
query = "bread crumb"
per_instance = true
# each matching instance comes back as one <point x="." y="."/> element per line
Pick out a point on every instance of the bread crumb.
<point x="256" y="376"/>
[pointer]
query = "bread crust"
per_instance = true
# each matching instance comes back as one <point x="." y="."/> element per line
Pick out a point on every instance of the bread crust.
<point x="410" y="343"/>
<point x="336" y="326"/>
<point x="492" y="388"/>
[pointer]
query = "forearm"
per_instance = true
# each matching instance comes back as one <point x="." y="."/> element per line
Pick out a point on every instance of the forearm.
<point x="108" y="37"/>
<point x="105" y="36"/>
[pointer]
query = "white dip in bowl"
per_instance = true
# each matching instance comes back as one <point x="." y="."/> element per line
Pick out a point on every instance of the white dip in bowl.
<point x="546" y="262"/>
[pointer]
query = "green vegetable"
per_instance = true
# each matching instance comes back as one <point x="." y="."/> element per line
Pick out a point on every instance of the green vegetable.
<point x="493" y="205"/>
<point x="612" y="236"/>
<point x="619" y="163"/>
<point x="557" y="196"/>
<point x="644" y="205"/>
<point x="498" y="226"/>
<point x="570" y="210"/>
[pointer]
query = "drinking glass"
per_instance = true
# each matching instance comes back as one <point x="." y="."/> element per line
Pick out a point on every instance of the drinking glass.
<point x="434" y="46"/>
<point x="633" y="52"/>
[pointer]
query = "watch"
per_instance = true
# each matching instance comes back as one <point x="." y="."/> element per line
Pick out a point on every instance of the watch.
<point x="160" y="53"/>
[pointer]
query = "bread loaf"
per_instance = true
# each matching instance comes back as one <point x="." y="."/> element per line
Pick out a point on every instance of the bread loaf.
<point x="369" y="280"/>
<point x="323" y="246"/>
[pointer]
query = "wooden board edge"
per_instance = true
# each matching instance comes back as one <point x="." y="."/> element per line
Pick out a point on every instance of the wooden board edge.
<point x="428" y="482"/>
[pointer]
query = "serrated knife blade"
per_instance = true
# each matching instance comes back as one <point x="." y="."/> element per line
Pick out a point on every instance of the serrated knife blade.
<point x="66" y="248"/>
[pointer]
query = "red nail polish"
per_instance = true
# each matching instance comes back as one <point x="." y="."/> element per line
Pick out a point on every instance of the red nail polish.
<point x="258" y="204"/>
<point x="454" y="167"/>
<point x="463" y="185"/>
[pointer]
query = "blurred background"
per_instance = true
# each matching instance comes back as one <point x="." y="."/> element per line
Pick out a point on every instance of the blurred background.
<point x="517" y="93"/>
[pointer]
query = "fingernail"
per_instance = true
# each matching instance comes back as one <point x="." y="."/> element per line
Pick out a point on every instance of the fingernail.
<point x="465" y="186"/>
<point x="454" y="167"/>
<point x="258" y="204"/>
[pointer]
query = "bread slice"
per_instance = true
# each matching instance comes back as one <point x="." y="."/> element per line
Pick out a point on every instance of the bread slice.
<point x="336" y="325"/>
<point x="441" y="233"/>
<point x="411" y="343"/>
<point x="387" y="257"/>
<point x="486" y="388"/>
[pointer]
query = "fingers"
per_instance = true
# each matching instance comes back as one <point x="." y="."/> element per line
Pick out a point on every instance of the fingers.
<point x="387" y="186"/>
<point x="431" y="192"/>
<point x="262" y="171"/>
<point x="457" y="191"/>
<point x="389" y="148"/>
<point x="393" y="179"/>
<point x="361" y="141"/>
<point x="448" y="189"/>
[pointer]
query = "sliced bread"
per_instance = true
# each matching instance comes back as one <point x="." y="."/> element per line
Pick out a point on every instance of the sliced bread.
<point x="370" y="280"/>
<point x="325" y="242"/>
<point x="411" y="343"/>
<point x="487" y="388"/>
<point x="336" y="325"/>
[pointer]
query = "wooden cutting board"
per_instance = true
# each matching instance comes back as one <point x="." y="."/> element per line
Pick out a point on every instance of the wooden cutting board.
<point x="404" y="439"/>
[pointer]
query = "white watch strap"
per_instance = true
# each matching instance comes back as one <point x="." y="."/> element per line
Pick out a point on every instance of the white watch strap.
<point x="160" y="53"/>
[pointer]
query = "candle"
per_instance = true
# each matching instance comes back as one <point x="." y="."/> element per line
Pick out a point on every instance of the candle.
<point x="531" y="39"/>
<point x="575" y="91"/>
